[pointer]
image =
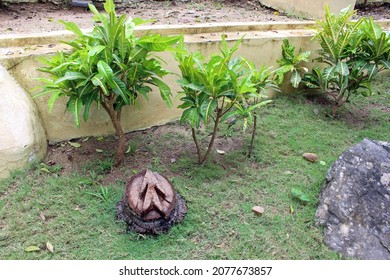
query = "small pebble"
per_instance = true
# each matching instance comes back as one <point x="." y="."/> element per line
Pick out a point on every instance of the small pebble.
<point x="258" y="210"/>
<point x="310" y="157"/>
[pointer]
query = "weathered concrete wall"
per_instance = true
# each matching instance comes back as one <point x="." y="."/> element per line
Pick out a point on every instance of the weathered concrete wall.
<point x="20" y="56"/>
<point x="22" y="137"/>
<point x="313" y="9"/>
<point x="262" y="45"/>
<point x="59" y="124"/>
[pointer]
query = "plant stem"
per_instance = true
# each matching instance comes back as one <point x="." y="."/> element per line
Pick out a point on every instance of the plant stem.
<point x="197" y="145"/>
<point x="339" y="102"/>
<point x="214" y="134"/>
<point x="122" y="142"/>
<point x="115" y="117"/>
<point x="334" y="109"/>
<point x="253" y="134"/>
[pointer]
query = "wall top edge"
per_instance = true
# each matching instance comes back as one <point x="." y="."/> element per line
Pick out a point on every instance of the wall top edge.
<point x="8" y="40"/>
<point x="24" y="39"/>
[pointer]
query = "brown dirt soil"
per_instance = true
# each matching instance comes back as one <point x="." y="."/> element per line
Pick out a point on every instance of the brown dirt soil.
<point x="96" y="154"/>
<point x="43" y="17"/>
<point x="359" y="117"/>
<point x="376" y="11"/>
<point x="354" y="117"/>
<point x="157" y="147"/>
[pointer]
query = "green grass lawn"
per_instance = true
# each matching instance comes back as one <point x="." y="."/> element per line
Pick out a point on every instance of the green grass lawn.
<point x="219" y="223"/>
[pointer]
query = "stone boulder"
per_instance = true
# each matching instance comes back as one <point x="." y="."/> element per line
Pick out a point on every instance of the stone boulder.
<point x="354" y="205"/>
<point x="22" y="137"/>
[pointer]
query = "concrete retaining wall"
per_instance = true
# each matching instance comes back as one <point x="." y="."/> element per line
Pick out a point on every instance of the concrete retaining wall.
<point x="20" y="56"/>
<point x="262" y="44"/>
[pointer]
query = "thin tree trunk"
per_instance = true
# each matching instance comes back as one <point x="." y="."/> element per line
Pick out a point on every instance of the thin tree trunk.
<point x="334" y="110"/>
<point x="338" y="104"/>
<point x="197" y="146"/>
<point x="253" y="134"/>
<point x="214" y="134"/>
<point x="115" y="117"/>
<point x="120" y="151"/>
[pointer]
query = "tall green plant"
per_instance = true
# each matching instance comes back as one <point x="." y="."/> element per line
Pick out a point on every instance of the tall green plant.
<point x="355" y="52"/>
<point x="291" y="62"/>
<point x="216" y="89"/>
<point x="109" y="66"/>
<point x="262" y="81"/>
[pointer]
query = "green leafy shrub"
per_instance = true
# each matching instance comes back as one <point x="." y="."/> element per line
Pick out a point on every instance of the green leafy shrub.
<point x="262" y="81"/>
<point x="109" y="66"/>
<point x="355" y="52"/>
<point x="218" y="89"/>
<point x="291" y="62"/>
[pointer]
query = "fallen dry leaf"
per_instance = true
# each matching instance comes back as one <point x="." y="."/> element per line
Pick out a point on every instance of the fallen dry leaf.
<point x="49" y="247"/>
<point x="43" y="218"/>
<point x="74" y="144"/>
<point x="32" y="249"/>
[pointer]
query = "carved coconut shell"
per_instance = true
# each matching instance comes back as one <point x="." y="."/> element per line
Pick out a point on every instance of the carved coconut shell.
<point x="150" y="204"/>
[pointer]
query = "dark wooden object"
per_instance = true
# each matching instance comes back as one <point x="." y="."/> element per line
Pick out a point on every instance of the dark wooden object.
<point x="150" y="204"/>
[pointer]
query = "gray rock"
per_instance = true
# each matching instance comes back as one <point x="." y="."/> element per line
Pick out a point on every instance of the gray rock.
<point x="354" y="205"/>
<point x="22" y="137"/>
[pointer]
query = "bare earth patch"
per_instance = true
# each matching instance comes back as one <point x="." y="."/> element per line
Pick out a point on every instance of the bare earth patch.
<point x="376" y="11"/>
<point x="156" y="148"/>
<point x="43" y="17"/>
